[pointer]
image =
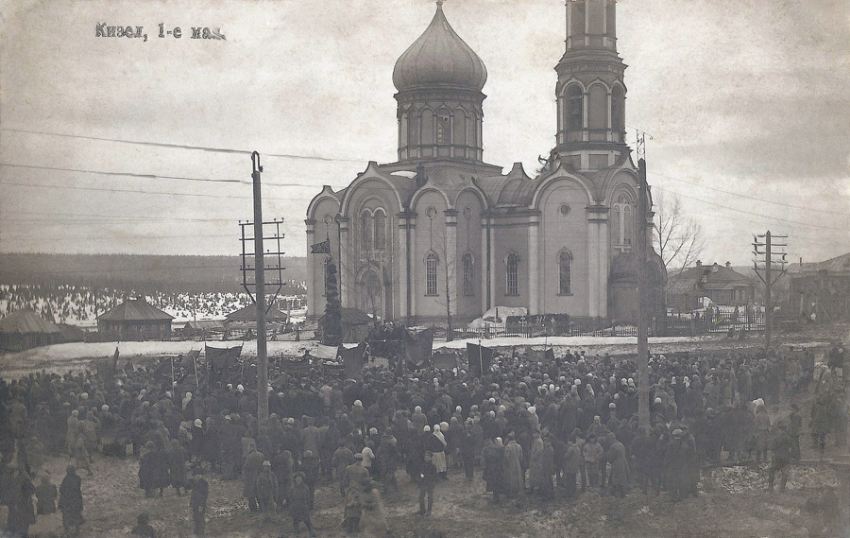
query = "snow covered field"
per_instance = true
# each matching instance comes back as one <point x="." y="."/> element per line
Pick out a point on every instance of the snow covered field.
<point x="80" y="305"/>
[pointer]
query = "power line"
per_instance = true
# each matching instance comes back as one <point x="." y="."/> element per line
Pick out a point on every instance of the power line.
<point x="745" y="196"/>
<point x="797" y="223"/>
<point x="125" y="174"/>
<point x="185" y="146"/>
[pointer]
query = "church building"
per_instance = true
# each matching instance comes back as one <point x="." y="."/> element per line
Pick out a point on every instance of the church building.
<point x="441" y="230"/>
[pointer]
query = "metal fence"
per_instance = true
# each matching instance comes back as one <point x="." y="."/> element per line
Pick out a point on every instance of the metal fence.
<point x="688" y="324"/>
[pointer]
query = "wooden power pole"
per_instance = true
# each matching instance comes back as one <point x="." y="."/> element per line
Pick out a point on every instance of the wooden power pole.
<point x="260" y="294"/>
<point x="768" y="278"/>
<point x="643" y="306"/>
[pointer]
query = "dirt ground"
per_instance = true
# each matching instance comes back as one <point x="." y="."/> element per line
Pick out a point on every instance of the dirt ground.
<point x="732" y="502"/>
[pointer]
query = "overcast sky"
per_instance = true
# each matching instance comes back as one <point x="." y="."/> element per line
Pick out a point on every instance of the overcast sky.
<point x="746" y="103"/>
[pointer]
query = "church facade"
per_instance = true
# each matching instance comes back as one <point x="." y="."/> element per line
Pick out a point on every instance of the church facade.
<point x="441" y="231"/>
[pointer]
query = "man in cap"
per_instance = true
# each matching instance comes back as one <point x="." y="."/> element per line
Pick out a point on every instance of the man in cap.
<point x="428" y="479"/>
<point x="267" y="488"/>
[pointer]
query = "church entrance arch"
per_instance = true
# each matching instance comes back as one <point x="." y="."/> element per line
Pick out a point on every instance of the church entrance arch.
<point x="372" y="292"/>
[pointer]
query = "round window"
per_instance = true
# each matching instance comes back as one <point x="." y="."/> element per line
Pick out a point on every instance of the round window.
<point x="431" y="212"/>
<point x="565" y="209"/>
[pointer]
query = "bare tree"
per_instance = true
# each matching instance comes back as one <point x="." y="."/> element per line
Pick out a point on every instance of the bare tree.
<point x="678" y="237"/>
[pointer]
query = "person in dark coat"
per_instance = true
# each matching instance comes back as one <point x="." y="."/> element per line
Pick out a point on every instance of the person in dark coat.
<point x="147" y="469"/>
<point x="570" y="465"/>
<point x="177" y="465"/>
<point x="643" y="455"/>
<point x="267" y="488"/>
<point x="17" y="495"/>
<point x="675" y="462"/>
<point x="46" y="493"/>
<point x="428" y="479"/>
<point x="198" y="502"/>
<point x="71" y="502"/>
<point x="282" y="465"/>
<point x="468" y="450"/>
<point x="784" y="451"/>
<point x="161" y="469"/>
<point x="143" y="527"/>
<point x="310" y="466"/>
<point x="250" y="469"/>
<point x="299" y="503"/>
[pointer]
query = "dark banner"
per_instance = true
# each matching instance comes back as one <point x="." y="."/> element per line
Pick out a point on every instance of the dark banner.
<point x="417" y="347"/>
<point x="353" y="360"/>
<point x="480" y="358"/>
<point x="220" y="361"/>
<point x="544" y="356"/>
<point x="445" y="361"/>
<point x="295" y="367"/>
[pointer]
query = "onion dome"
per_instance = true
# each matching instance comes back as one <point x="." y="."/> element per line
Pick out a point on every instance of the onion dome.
<point x="439" y="58"/>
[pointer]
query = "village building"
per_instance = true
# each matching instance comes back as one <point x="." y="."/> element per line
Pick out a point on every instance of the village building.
<point x="822" y="289"/>
<point x="134" y="319"/>
<point x="720" y="283"/>
<point x="242" y="323"/>
<point x="25" y="329"/>
<point x="442" y="231"/>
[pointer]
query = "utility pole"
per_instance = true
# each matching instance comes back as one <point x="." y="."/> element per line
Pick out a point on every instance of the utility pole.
<point x="643" y="290"/>
<point x="768" y="277"/>
<point x="260" y="282"/>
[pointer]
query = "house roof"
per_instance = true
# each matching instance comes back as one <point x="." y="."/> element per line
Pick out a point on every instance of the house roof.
<point x="839" y="264"/>
<point x="717" y="277"/>
<point x="26" y="321"/>
<point x="135" y="310"/>
<point x="249" y="313"/>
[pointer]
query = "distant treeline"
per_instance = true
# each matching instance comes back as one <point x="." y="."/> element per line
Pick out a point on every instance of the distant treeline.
<point x="144" y="273"/>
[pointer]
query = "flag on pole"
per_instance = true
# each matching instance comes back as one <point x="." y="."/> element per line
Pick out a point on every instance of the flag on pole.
<point x="480" y="358"/>
<point x="321" y="248"/>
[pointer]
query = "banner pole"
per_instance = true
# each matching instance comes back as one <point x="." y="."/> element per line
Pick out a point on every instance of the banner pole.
<point x="195" y="361"/>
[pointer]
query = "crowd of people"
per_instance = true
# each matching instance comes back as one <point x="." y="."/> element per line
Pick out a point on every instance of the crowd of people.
<point x="532" y="431"/>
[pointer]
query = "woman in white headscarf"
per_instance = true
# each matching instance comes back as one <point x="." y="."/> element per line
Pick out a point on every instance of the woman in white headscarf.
<point x="436" y="444"/>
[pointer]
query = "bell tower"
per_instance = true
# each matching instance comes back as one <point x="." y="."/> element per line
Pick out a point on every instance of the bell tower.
<point x="590" y="92"/>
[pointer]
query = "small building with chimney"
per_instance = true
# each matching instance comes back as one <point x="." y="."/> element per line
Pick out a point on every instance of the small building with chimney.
<point x="720" y="283"/>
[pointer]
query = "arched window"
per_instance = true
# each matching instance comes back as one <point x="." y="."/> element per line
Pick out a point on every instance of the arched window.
<point x="512" y="274"/>
<point x="431" y="274"/>
<point x="468" y="274"/>
<point x="565" y="260"/>
<point x="380" y="229"/>
<point x="622" y="222"/>
<point x="597" y="113"/>
<point x="366" y="229"/>
<point x="444" y="127"/>
<point x="618" y="110"/>
<point x="575" y="108"/>
<point x="413" y="128"/>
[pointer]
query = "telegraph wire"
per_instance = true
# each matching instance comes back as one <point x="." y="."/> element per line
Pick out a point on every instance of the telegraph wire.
<point x="185" y="146"/>
<point x="796" y="223"/>
<point x="745" y="196"/>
